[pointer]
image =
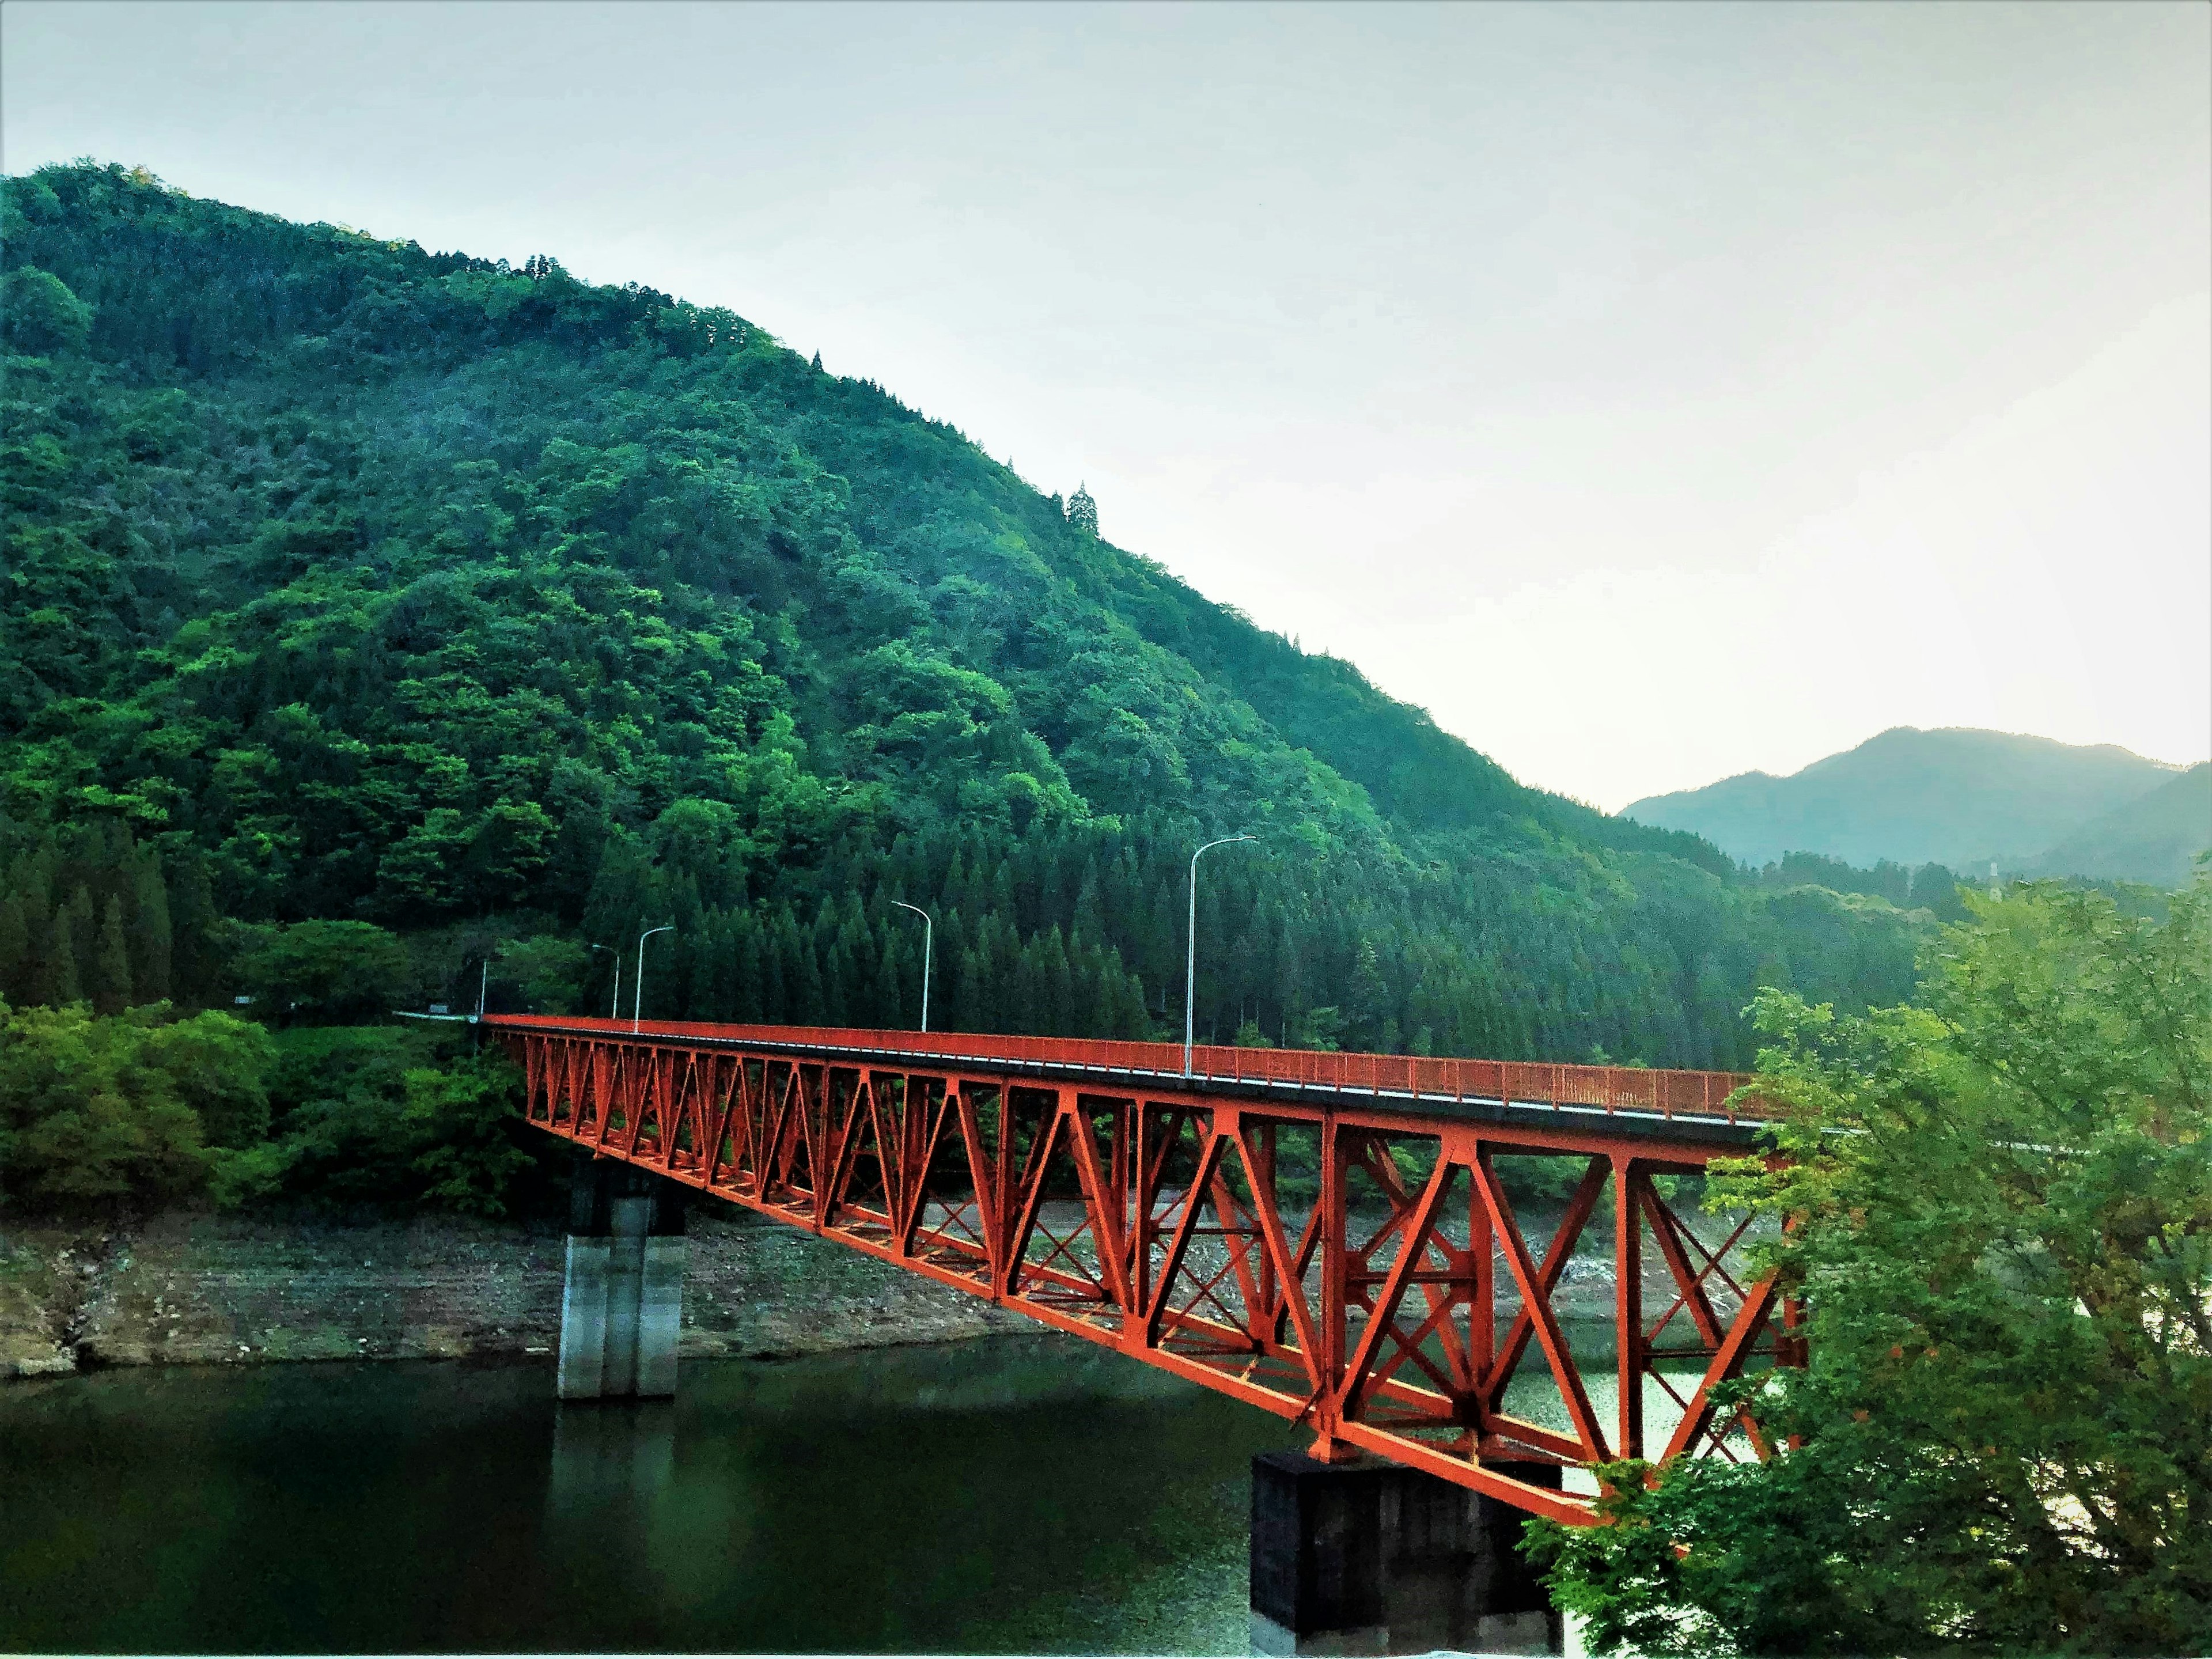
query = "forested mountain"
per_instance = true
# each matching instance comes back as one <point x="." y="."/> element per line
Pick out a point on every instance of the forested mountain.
<point x="369" y="609"/>
<point x="1954" y="796"/>
<point x="2154" y="838"/>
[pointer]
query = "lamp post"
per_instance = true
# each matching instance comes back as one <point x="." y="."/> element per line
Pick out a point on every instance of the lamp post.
<point x="1190" y="959"/>
<point x="928" y="929"/>
<point x="637" y="992"/>
<point x="614" y="1008"/>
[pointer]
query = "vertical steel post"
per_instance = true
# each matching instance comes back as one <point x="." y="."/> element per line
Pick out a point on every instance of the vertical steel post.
<point x="1482" y="1296"/>
<point x="1335" y="1244"/>
<point x="637" y="993"/>
<point x="1628" y="1306"/>
<point x="1190" y="954"/>
<point x="928" y="928"/>
<point x="614" y="1009"/>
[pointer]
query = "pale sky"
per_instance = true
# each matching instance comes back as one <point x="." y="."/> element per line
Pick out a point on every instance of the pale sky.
<point x="1651" y="392"/>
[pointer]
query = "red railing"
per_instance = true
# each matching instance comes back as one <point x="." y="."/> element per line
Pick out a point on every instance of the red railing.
<point x="1602" y="1088"/>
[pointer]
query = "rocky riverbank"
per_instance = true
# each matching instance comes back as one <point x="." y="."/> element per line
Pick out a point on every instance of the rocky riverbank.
<point x="188" y="1287"/>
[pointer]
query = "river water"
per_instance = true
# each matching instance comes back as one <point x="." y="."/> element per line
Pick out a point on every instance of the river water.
<point x="1026" y="1493"/>
<point x="1021" y="1493"/>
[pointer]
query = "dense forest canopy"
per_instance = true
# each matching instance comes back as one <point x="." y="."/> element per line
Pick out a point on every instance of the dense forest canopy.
<point x="369" y="611"/>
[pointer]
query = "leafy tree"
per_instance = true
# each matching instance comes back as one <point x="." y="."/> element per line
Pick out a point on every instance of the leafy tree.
<point x="547" y="973"/>
<point x="220" y="1067"/>
<point x="38" y="314"/>
<point x="333" y="971"/>
<point x="462" y="1118"/>
<point x="98" y="1107"/>
<point x="2000" y="1221"/>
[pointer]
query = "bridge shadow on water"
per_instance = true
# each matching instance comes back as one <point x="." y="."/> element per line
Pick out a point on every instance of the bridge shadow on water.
<point x="1018" y="1493"/>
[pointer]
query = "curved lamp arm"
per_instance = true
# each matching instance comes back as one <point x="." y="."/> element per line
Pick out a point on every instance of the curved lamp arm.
<point x="1190" y="957"/>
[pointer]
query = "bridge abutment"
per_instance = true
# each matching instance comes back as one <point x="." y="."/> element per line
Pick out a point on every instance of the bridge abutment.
<point x="621" y="1295"/>
<point x="1368" y="1557"/>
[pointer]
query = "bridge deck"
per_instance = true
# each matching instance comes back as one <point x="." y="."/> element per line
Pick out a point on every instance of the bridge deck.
<point x="1326" y="1236"/>
<point x="1688" y="1105"/>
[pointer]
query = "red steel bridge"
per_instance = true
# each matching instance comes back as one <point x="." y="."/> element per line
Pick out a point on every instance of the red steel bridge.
<point x="1328" y="1236"/>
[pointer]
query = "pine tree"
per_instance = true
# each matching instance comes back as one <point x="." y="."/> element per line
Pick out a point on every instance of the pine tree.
<point x="777" y="959"/>
<point x="806" y="1000"/>
<point x="1090" y="904"/>
<point x="1054" y="1009"/>
<point x="79" y="925"/>
<point x="195" y="962"/>
<point x="887" y="1014"/>
<point x="151" y="941"/>
<point x="966" y="1013"/>
<point x="701" y="1001"/>
<point x="16" y="966"/>
<point x="748" y="990"/>
<point x="62" y="985"/>
<point x="111" y="964"/>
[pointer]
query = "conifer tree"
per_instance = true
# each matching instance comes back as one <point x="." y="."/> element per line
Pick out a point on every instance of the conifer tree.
<point x="62" y="987"/>
<point x="111" y="964"/>
<point x="150" y="933"/>
<point x="80" y="924"/>
<point x="14" y="951"/>
<point x="193" y="956"/>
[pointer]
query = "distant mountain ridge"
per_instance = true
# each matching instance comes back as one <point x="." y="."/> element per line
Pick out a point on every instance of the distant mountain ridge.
<point x="2154" y="838"/>
<point x="1956" y="796"/>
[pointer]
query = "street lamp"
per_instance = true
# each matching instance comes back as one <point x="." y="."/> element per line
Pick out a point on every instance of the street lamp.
<point x="614" y="1008"/>
<point x="1190" y="960"/>
<point x="928" y="928"/>
<point x="637" y="993"/>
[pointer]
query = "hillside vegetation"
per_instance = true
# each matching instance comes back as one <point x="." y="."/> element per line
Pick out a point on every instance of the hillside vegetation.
<point x="369" y="612"/>
<point x="2154" y="838"/>
<point x="1956" y="797"/>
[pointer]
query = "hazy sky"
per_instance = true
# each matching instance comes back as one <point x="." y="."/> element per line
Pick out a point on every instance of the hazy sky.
<point x="1651" y="392"/>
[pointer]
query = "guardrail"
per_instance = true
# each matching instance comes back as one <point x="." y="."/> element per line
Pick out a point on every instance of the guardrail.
<point x="1601" y="1088"/>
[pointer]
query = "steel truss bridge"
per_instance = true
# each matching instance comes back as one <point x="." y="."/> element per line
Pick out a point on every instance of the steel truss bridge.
<point x="1319" y="1235"/>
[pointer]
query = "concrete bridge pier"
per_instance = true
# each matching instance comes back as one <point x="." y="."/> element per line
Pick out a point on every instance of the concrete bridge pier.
<point x="1367" y="1558"/>
<point x="621" y="1297"/>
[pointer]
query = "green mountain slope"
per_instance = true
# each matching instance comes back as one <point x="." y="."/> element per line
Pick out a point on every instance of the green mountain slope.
<point x="2153" y="838"/>
<point x="1954" y="796"/>
<point x="404" y="605"/>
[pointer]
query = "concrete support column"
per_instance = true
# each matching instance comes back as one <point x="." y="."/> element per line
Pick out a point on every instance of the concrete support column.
<point x="1367" y="1558"/>
<point x="622" y="1297"/>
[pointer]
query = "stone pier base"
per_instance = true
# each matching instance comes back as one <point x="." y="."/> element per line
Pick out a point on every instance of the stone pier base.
<point x="1367" y="1558"/>
<point x="621" y="1296"/>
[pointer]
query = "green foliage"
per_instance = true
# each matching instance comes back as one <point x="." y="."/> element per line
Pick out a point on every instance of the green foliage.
<point x="38" y="314"/>
<point x="85" y="911"/>
<point x="98" y="1107"/>
<point x="2155" y="838"/>
<point x="367" y="1115"/>
<point x="2002" y="1203"/>
<point x="460" y="1118"/>
<point x="362" y="588"/>
<point x="546" y="974"/>
<point x="323" y="972"/>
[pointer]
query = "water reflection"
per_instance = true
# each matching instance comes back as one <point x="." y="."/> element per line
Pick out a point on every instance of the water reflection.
<point x="612" y="1455"/>
<point x="1025" y="1493"/>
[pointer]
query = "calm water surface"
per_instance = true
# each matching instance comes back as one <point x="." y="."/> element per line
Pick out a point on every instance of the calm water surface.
<point x="1025" y="1493"/>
